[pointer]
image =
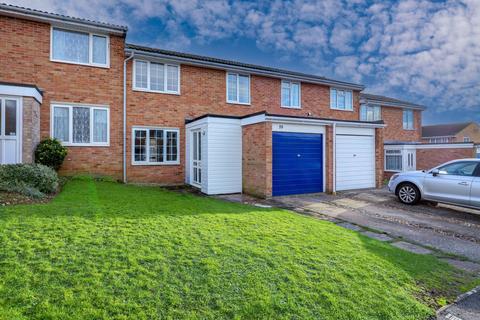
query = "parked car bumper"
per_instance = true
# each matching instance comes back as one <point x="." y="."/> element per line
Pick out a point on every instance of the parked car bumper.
<point x="392" y="183"/>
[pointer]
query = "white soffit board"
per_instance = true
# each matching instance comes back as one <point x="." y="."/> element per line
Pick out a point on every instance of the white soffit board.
<point x="21" y="91"/>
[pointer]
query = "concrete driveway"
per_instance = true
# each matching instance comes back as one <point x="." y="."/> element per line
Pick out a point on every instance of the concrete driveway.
<point x="450" y="229"/>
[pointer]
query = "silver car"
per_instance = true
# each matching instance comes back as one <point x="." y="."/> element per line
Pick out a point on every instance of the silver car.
<point x="455" y="182"/>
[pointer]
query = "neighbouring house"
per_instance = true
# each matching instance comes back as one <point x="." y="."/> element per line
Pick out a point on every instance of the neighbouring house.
<point x="404" y="134"/>
<point x="451" y="132"/>
<point x="147" y="115"/>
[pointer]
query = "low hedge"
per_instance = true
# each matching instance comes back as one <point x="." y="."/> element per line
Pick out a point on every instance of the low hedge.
<point x="34" y="180"/>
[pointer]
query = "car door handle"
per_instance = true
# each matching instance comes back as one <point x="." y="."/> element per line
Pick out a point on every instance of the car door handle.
<point x="463" y="183"/>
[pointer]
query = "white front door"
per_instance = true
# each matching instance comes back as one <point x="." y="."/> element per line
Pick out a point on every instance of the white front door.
<point x="411" y="161"/>
<point x="197" y="157"/>
<point x="9" y="130"/>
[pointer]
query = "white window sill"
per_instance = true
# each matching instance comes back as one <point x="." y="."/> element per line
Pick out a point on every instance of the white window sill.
<point x="239" y="103"/>
<point x="291" y="107"/>
<point x="155" y="91"/>
<point x="176" y="163"/>
<point x="350" y="110"/>
<point x="103" y="66"/>
<point x="409" y="129"/>
<point x="396" y="171"/>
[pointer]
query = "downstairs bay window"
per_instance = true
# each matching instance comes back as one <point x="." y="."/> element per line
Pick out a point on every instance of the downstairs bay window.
<point x="80" y="125"/>
<point x="155" y="146"/>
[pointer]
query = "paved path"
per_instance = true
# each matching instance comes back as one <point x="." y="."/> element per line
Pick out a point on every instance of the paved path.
<point x="466" y="307"/>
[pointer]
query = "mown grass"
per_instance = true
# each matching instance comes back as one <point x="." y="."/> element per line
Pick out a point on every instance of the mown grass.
<point x="102" y="250"/>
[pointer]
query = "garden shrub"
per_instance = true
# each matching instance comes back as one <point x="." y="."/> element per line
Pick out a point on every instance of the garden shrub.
<point x="33" y="180"/>
<point x="51" y="153"/>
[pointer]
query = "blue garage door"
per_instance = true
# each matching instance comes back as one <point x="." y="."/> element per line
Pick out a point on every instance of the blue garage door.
<point x="297" y="163"/>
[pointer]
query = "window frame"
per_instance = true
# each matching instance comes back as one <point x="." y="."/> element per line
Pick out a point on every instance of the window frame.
<point x="238" y="74"/>
<point x="165" y="80"/>
<point x="400" y="153"/>
<point x="299" y="94"/>
<point x="148" y="162"/>
<point x="467" y="139"/>
<point x="336" y="100"/>
<point x="413" y="119"/>
<point x="90" y="48"/>
<point x="70" y="107"/>
<point x="368" y="105"/>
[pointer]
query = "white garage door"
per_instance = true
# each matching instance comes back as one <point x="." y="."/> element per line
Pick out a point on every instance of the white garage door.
<point x="355" y="155"/>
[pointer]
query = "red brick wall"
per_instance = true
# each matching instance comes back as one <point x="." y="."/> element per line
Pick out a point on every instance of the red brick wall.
<point x="329" y="159"/>
<point x="25" y="58"/>
<point x="257" y="159"/>
<point x="203" y="90"/>
<point x="429" y="158"/>
<point x="379" y="156"/>
<point x="31" y="129"/>
<point x="393" y="118"/>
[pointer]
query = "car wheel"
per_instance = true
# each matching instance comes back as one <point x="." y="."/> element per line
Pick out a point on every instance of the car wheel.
<point x="408" y="193"/>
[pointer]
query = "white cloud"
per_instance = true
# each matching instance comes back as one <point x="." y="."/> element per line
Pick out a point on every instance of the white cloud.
<point x="427" y="49"/>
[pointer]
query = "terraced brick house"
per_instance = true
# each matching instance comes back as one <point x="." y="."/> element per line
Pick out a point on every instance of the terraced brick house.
<point x="147" y="115"/>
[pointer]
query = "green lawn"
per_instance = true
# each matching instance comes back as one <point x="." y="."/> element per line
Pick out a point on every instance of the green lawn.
<point x="102" y="250"/>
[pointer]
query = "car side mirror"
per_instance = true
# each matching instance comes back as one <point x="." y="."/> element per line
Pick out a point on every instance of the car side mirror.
<point x="435" y="172"/>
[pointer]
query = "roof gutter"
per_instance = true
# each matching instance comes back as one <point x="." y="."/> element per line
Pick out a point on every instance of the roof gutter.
<point x="39" y="16"/>
<point x="224" y="66"/>
<point x="392" y="104"/>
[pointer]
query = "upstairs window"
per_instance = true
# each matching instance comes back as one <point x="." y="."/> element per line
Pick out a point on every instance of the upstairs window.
<point x="79" y="47"/>
<point x="153" y="146"/>
<point x="156" y="77"/>
<point x="408" y="119"/>
<point x="80" y="125"/>
<point x="466" y="139"/>
<point x="341" y="99"/>
<point x="370" y="112"/>
<point x="290" y="94"/>
<point x="238" y="88"/>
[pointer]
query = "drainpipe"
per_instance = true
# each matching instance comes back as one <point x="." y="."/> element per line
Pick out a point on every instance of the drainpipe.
<point x="125" y="116"/>
<point x="334" y="157"/>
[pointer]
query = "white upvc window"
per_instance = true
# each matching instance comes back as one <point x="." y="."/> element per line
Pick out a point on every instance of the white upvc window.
<point x="155" y="146"/>
<point x="370" y="112"/>
<point x="290" y="94"/>
<point x="80" y="125"/>
<point x="156" y="77"/>
<point x="79" y="47"/>
<point x="466" y="139"/>
<point x="439" y="140"/>
<point x="408" y="122"/>
<point x="238" y="88"/>
<point x="394" y="160"/>
<point x="341" y="99"/>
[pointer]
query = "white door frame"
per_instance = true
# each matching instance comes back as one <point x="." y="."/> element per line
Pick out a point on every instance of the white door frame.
<point x="19" y="126"/>
<point x="196" y="162"/>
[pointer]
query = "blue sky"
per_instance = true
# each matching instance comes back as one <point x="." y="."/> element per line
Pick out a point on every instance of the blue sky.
<point x="426" y="52"/>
